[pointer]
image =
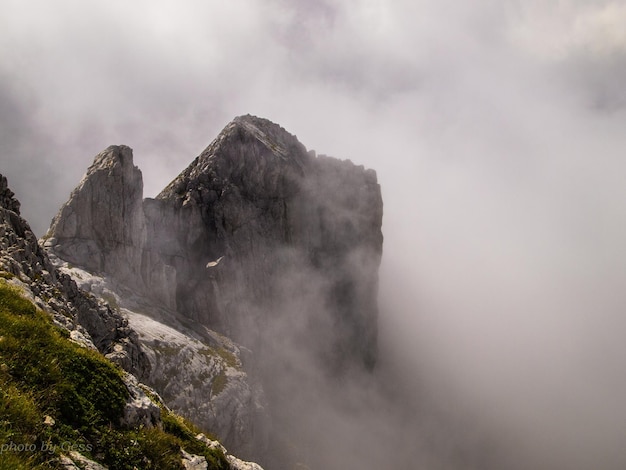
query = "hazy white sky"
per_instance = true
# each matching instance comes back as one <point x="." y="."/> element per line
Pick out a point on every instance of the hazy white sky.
<point x="496" y="128"/>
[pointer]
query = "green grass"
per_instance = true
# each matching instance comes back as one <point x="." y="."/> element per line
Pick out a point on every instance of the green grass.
<point x="228" y="357"/>
<point x="112" y="301"/>
<point x="80" y="387"/>
<point x="186" y="432"/>
<point x="43" y="373"/>
<point x="219" y="383"/>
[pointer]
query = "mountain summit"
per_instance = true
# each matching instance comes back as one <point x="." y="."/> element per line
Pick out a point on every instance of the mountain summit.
<point x="258" y="240"/>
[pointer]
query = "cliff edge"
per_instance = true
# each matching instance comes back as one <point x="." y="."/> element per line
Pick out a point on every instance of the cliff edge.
<point x="257" y="240"/>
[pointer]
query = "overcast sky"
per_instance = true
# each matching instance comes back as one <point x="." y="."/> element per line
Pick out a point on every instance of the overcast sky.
<point x="497" y="128"/>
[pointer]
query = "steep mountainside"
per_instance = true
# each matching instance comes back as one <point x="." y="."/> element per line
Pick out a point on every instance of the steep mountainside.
<point x="63" y="402"/>
<point x="257" y="240"/>
<point x="259" y="203"/>
<point x="281" y="221"/>
<point x="88" y="321"/>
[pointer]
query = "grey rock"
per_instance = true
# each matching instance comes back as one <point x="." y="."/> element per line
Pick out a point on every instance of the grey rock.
<point x="85" y="463"/>
<point x="89" y="321"/>
<point x="193" y="462"/>
<point x="202" y="378"/>
<point x="274" y="211"/>
<point x="101" y="225"/>
<point x="256" y="199"/>
<point x="92" y="323"/>
<point x="298" y="238"/>
<point x="77" y="461"/>
<point x="238" y="464"/>
<point x="7" y="199"/>
<point x="66" y="463"/>
<point x="234" y="462"/>
<point x="140" y="411"/>
<point x="198" y="373"/>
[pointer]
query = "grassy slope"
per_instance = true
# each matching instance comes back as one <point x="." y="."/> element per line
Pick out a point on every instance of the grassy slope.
<point x="44" y="374"/>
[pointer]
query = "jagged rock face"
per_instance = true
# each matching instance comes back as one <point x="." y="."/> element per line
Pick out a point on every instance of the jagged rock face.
<point x="96" y="325"/>
<point x="257" y="239"/>
<point x="281" y="221"/>
<point x="89" y="321"/>
<point x="204" y="380"/>
<point x="197" y="372"/>
<point x="7" y="199"/>
<point x="101" y="225"/>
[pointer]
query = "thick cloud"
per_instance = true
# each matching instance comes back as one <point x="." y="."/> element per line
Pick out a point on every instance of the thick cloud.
<point x="496" y="128"/>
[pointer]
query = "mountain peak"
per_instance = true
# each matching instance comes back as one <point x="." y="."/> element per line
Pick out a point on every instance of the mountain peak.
<point x="7" y="197"/>
<point x="299" y="243"/>
<point x="113" y="155"/>
<point x="103" y="215"/>
<point x="273" y="136"/>
<point x="249" y="149"/>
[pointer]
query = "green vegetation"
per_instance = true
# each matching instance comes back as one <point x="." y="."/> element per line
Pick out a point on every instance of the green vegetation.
<point x="219" y="383"/>
<point x="111" y="300"/>
<point x="186" y="432"/>
<point x="229" y="358"/>
<point x="56" y="396"/>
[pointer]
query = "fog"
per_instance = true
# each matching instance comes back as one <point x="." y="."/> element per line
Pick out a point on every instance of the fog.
<point x="496" y="130"/>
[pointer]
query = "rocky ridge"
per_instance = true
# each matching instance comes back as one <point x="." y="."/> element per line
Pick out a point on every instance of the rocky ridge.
<point x="88" y="320"/>
<point x="93" y="324"/>
<point x="197" y="372"/>
<point x="98" y="238"/>
<point x="256" y="200"/>
<point x="256" y="236"/>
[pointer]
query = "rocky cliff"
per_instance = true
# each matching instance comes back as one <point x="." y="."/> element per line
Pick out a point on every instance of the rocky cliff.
<point x="101" y="227"/>
<point x="99" y="240"/>
<point x="258" y="240"/>
<point x="63" y="405"/>
<point x="89" y="321"/>
<point x="216" y="243"/>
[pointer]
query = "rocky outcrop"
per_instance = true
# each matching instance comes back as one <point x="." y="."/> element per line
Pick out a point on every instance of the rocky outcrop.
<point x="99" y="326"/>
<point x="76" y="461"/>
<point x="198" y="372"/>
<point x="7" y="197"/>
<point x="234" y="462"/>
<point x="101" y="226"/>
<point x="279" y="220"/>
<point x="253" y="219"/>
<point x="259" y="240"/>
<point x="140" y="411"/>
<point x="206" y="381"/>
<point x="88" y="320"/>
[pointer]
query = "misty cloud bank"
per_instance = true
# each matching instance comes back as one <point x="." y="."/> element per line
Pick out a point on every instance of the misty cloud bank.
<point x="496" y="129"/>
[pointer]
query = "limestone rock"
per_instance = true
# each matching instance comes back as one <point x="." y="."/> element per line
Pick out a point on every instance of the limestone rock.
<point x="201" y="377"/>
<point x="193" y="462"/>
<point x="283" y="220"/>
<point x="279" y="218"/>
<point x="89" y="321"/>
<point x="101" y="225"/>
<point x="85" y="463"/>
<point x="298" y="238"/>
<point x="238" y="464"/>
<point x="7" y="199"/>
<point x="199" y="374"/>
<point x="140" y="410"/>
<point x="234" y="462"/>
